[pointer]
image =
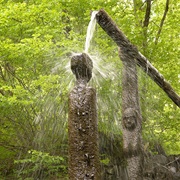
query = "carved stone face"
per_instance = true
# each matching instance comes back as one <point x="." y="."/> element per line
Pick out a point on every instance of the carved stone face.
<point x="129" y="118"/>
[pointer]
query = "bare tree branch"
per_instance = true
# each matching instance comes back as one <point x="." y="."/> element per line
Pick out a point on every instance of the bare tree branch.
<point x="162" y="21"/>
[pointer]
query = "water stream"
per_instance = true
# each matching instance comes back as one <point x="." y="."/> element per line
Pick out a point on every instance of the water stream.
<point x="90" y="30"/>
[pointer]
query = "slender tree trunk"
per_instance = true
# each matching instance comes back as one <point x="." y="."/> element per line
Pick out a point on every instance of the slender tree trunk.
<point x="162" y="21"/>
<point x="144" y="88"/>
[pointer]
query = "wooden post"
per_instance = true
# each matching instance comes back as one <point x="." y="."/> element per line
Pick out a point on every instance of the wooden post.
<point x="121" y="40"/>
<point x="84" y="161"/>
<point x="131" y="119"/>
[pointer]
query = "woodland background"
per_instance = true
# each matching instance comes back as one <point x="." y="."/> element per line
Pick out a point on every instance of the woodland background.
<point x="37" y="39"/>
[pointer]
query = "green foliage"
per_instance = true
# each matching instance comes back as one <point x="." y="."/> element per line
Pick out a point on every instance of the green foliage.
<point x="41" y="165"/>
<point x="6" y="161"/>
<point x="105" y="160"/>
<point x="36" y="40"/>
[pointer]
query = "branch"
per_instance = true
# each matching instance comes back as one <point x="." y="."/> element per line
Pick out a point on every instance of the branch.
<point x="146" y="24"/>
<point x="12" y="147"/>
<point x="162" y="21"/>
<point x="12" y="73"/>
<point x="126" y="47"/>
<point x="147" y="15"/>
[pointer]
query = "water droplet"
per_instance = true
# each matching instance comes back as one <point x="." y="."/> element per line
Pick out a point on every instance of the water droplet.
<point x="78" y="113"/>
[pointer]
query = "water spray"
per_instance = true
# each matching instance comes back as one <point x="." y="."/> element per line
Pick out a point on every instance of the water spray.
<point x="81" y="66"/>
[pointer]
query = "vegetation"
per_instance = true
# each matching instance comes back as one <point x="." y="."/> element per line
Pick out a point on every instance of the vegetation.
<point x="36" y="41"/>
<point x="42" y="165"/>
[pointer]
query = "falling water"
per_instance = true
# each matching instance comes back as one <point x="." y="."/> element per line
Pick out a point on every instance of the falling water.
<point x="100" y="71"/>
<point x="90" y="30"/>
<point x="51" y="119"/>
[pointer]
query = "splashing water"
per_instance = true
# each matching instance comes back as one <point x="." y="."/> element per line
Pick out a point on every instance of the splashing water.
<point x="51" y="119"/>
<point x="90" y="30"/>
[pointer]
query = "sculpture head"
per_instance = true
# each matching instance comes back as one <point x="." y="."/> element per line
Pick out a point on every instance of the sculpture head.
<point x="81" y="66"/>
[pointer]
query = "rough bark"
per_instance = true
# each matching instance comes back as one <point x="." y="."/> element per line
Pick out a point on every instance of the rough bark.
<point x="126" y="47"/>
<point x="131" y="118"/>
<point x="82" y="124"/>
<point x="83" y="147"/>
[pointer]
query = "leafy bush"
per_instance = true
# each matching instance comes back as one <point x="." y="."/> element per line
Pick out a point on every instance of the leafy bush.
<point x="41" y="165"/>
